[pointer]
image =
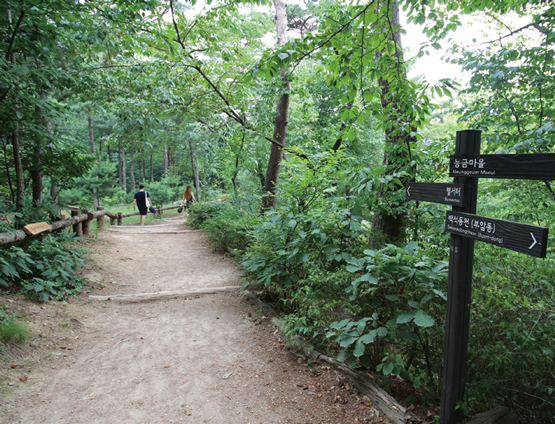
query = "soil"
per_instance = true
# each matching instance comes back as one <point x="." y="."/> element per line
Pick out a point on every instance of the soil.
<point x="210" y="358"/>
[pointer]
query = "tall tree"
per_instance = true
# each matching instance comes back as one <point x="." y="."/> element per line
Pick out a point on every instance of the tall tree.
<point x="282" y="119"/>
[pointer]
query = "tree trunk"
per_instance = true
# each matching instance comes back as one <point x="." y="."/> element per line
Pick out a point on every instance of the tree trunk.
<point x="132" y="173"/>
<point x="119" y="166"/>
<point x="93" y="151"/>
<point x="18" y="169"/>
<point x="151" y="167"/>
<point x="282" y="119"/>
<point x="166" y="163"/>
<point x="36" y="170"/>
<point x="16" y="150"/>
<point x="195" y="171"/>
<point x="91" y="135"/>
<point x="388" y="226"/>
<point x="123" y="171"/>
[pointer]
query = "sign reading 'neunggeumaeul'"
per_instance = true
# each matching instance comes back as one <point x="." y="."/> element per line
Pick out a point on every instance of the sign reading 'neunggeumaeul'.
<point x="445" y="193"/>
<point x="523" y="238"/>
<point x="523" y="167"/>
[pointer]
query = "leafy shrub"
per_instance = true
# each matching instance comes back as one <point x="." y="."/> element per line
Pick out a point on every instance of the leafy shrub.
<point x="512" y="335"/>
<point x="399" y="293"/>
<point x="46" y="270"/>
<point x="231" y="229"/>
<point x="200" y="213"/>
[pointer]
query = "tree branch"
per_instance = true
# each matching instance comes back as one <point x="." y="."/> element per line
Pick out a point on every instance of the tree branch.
<point x="12" y="38"/>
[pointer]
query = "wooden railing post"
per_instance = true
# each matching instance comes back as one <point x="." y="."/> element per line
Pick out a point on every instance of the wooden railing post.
<point x="87" y="223"/>
<point x="120" y="218"/>
<point x="100" y="220"/>
<point x="112" y="220"/>
<point x="77" y="228"/>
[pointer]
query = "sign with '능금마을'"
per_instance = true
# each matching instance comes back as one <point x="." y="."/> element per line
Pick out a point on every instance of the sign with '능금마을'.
<point x="522" y="167"/>
<point x="523" y="238"/>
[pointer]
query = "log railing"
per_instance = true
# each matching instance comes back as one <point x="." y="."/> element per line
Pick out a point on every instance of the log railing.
<point x="81" y="223"/>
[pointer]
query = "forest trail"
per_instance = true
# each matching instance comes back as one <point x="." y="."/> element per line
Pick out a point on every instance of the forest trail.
<point x="172" y="357"/>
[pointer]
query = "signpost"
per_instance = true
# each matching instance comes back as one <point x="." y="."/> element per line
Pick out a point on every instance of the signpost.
<point x="448" y="194"/>
<point x="466" y="166"/>
<point x="518" y="167"/>
<point x="522" y="238"/>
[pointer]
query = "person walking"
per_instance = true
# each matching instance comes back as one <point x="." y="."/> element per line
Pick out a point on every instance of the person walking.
<point x="188" y="197"/>
<point x="142" y="202"/>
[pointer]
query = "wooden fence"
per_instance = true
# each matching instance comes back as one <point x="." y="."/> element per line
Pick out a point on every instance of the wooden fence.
<point x="80" y="221"/>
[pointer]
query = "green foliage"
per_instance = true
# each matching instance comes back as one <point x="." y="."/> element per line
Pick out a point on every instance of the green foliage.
<point x="231" y="228"/>
<point x="45" y="270"/>
<point x="512" y="335"/>
<point x="400" y="293"/>
<point x="10" y="327"/>
<point x="200" y="213"/>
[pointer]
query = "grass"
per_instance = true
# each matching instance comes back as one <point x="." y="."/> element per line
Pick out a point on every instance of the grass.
<point x="14" y="331"/>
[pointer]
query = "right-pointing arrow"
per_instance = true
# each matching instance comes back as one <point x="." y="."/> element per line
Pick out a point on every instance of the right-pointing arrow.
<point x="535" y="241"/>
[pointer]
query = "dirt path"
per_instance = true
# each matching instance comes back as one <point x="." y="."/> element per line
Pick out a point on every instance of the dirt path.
<point x="188" y="359"/>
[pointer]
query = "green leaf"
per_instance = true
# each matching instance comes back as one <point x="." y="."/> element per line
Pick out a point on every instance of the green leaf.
<point x="388" y="368"/>
<point x="359" y="349"/>
<point x="422" y="319"/>
<point x="348" y="341"/>
<point x="404" y="318"/>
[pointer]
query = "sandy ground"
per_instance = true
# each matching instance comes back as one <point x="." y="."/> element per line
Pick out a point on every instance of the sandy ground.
<point x="209" y="358"/>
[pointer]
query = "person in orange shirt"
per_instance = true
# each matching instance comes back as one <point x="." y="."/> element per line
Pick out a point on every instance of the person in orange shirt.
<point x="188" y="197"/>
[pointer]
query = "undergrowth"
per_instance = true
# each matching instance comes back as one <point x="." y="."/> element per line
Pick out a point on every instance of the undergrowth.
<point x="384" y="309"/>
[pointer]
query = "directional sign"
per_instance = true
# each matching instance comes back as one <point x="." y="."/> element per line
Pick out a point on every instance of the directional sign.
<point x="523" y="167"/>
<point x="39" y="227"/>
<point x="522" y="238"/>
<point x="446" y="193"/>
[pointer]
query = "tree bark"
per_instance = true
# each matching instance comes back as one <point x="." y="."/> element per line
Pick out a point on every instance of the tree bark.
<point x="388" y="227"/>
<point x="16" y="149"/>
<point x="123" y="171"/>
<point x="119" y="167"/>
<point x="282" y="119"/>
<point x="151" y="167"/>
<point x="195" y="171"/>
<point x="166" y="163"/>
<point x="93" y="151"/>
<point x="91" y="134"/>
<point x="36" y="170"/>
<point x="132" y="172"/>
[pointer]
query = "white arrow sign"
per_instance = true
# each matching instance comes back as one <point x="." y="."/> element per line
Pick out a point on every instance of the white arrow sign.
<point x="535" y="241"/>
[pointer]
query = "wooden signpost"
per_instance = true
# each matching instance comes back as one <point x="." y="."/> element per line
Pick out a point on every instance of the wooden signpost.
<point x="467" y="166"/>
<point x="448" y="194"/>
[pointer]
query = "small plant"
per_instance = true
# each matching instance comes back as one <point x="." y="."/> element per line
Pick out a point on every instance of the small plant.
<point x="13" y="331"/>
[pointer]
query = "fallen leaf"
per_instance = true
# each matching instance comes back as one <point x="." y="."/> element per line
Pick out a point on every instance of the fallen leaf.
<point x="13" y="365"/>
<point x="23" y="378"/>
<point x="227" y="375"/>
<point x="63" y="347"/>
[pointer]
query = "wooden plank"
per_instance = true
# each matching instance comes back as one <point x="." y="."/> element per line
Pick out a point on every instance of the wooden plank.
<point x="164" y="295"/>
<point x="37" y="228"/>
<point x="498" y="415"/>
<point x="528" y="239"/>
<point x="445" y="193"/>
<point x="523" y="167"/>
